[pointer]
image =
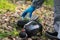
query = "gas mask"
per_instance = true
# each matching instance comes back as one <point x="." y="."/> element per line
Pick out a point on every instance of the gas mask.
<point x="31" y="29"/>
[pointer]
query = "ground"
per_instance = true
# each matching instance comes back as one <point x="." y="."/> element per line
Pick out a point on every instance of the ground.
<point x="8" y="21"/>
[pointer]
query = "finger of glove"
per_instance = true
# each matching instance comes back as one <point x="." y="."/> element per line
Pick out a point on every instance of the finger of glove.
<point x="24" y="13"/>
<point x="30" y="15"/>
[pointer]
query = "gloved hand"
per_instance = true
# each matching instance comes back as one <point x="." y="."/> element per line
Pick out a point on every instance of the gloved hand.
<point x="28" y="10"/>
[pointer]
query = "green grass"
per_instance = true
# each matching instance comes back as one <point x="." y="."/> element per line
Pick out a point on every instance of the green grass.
<point x="6" y="5"/>
<point x="13" y="33"/>
<point x="49" y="2"/>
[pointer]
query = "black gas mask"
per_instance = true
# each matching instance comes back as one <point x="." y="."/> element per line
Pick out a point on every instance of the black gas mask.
<point x="31" y="29"/>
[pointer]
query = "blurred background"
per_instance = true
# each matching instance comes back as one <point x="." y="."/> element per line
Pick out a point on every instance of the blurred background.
<point x="10" y="11"/>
